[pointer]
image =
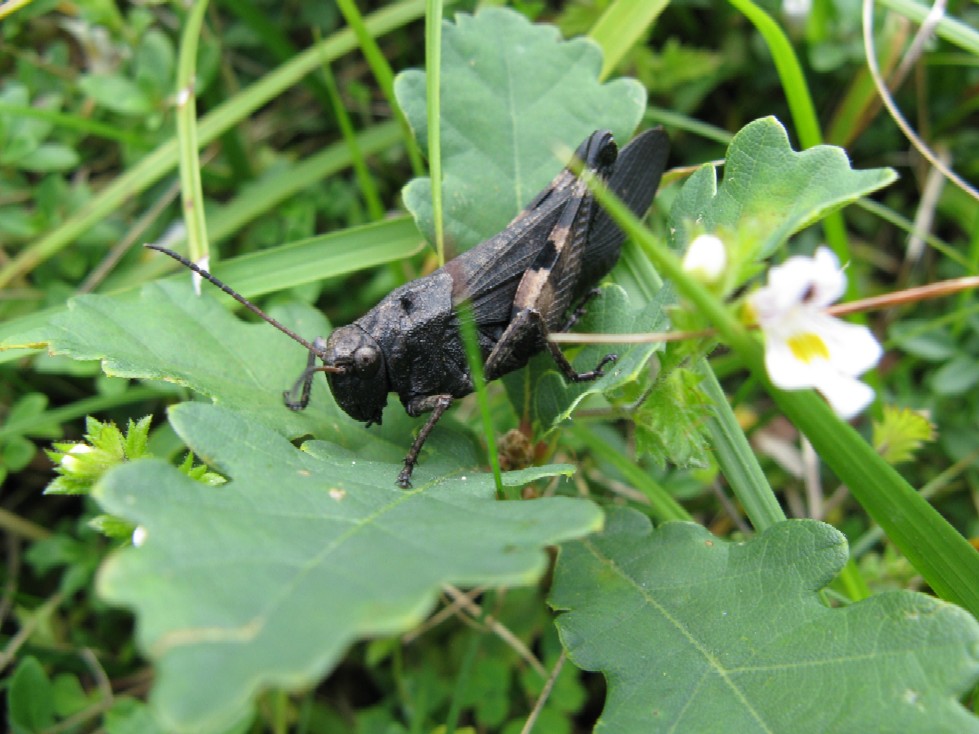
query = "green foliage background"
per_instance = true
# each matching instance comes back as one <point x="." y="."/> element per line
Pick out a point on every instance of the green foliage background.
<point x="275" y="578"/>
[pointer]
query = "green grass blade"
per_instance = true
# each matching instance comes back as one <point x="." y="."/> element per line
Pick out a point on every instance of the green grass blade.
<point x="367" y="186"/>
<point x="383" y="74"/>
<point x="467" y="326"/>
<point x="433" y="100"/>
<point x="662" y="504"/>
<point x="952" y="30"/>
<point x="737" y="460"/>
<point x="191" y="190"/>
<point x="162" y="160"/>
<point x="623" y="24"/>
<point x="301" y="262"/>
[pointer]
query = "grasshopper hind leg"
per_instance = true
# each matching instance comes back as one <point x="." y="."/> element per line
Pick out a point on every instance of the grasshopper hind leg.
<point x="524" y="336"/>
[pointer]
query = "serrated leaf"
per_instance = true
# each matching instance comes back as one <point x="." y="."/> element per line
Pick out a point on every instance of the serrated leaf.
<point x="769" y="191"/>
<point x="900" y="433"/>
<point x="671" y="423"/>
<point x="542" y="391"/>
<point x="264" y="581"/>
<point x="691" y="630"/>
<point x="496" y="158"/>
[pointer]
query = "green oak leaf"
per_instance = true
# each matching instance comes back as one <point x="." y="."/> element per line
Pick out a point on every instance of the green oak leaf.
<point x="264" y="581"/>
<point x="769" y="191"/>
<point x="695" y="634"/>
<point x="167" y="333"/>
<point x="546" y="96"/>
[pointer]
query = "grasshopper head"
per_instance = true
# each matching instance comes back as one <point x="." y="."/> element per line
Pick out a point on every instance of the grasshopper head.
<point x="361" y="388"/>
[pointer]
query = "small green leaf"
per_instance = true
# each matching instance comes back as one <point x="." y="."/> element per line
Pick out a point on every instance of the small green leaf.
<point x="900" y="433"/>
<point x="129" y="716"/>
<point x="116" y="93"/>
<point x="956" y="377"/>
<point x="80" y="464"/>
<point x="691" y="630"/>
<point x="30" y="707"/>
<point x="16" y="452"/>
<point x="671" y="423"/>
<point x="496" y="158"/>
<point x="67" y="695"/>
<point x="923" y="340"/>
<point x="49" y="157"/>
<point x="272" y="575"/>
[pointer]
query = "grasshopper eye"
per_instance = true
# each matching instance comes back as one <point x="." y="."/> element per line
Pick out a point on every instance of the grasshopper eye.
<point x="367" y="360"/>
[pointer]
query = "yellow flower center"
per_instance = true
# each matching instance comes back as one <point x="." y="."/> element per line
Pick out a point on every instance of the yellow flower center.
<point x="808" y="347"/>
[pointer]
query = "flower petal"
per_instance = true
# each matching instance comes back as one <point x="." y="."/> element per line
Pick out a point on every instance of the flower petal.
<point x="846" y="395"/>
<point x="786" y="370"/>
<point x="828" y="279"/>
<point x="853" y="349"/>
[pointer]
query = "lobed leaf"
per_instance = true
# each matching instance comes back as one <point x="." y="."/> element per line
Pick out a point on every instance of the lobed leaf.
<point x="769" y="191"/>
<point x="692" y="631"/>
<point x="496" y="158"/>
<point x="265" y="580"/>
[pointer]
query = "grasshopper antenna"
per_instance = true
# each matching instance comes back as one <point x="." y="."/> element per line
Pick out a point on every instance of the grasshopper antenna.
<point x="313" y="349"/>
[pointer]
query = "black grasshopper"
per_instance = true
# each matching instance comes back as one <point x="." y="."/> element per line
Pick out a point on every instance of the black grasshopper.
<point x="530" y="279"/>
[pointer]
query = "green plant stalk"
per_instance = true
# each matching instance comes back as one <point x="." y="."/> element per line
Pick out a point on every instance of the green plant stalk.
<point x="954" y="31"/>
<point x="276" y="41"/>
<point x="901" y="222"/>
<point x="803" y="114"/>
<point x="621" y="26"/>
<point x="433" y="104"/>
<point x="73" y="122"/>
<point x="255" y="201"/>
<point x="861" y="103"/>
<point x="158" y="163"/>
<point x="735" y="457"/>
<point x="191" y="190"/>
<point x="467" y="328"/>
<point x="367" y="187"/>
<point x="685" y="122"/>
<point x="379" y="66"/>
<point x="942" y="556"/>
<point x="663" y="506"/>
<point x="873" y="535"/>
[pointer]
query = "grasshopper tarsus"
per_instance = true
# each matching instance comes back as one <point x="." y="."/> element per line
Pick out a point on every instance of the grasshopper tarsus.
<point x="597" y="372"/>
<point x="438" y="404"/>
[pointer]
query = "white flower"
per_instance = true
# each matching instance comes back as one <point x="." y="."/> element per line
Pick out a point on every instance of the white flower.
<point x="139" y="536"/>
<point x="706" y="258"/>
<point x="804" y="346"/>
